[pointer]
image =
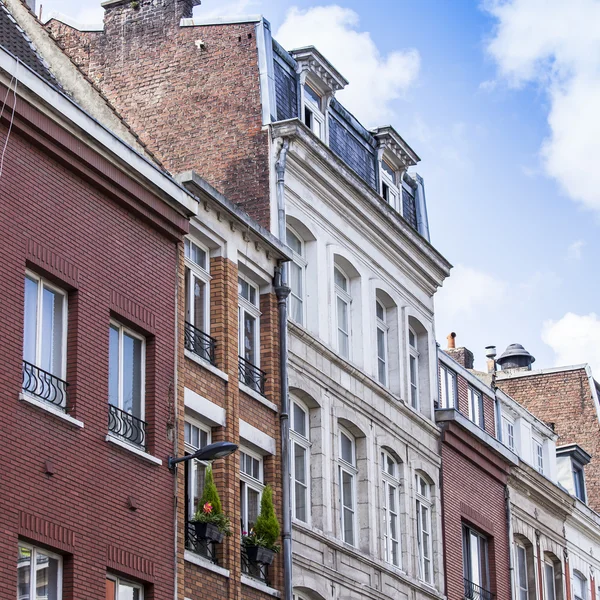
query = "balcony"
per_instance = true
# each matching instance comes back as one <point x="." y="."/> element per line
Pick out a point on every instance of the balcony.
<point x="45" y="386"/>
<point x="256" y="570"/>
<point x="200" y="343"/>
<point x="126" y="426"/>
<point x="252" y="376"/>
<point x="476" y="592"/>
<point x="204" y="548"/>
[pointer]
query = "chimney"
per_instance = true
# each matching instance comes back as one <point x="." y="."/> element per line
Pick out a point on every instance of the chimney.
<point x="462" y="356"/>
<point x="515" y="358"/>
<point x="490" y="354"/>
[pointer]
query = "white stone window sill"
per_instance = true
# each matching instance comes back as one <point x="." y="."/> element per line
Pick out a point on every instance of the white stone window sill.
<point x="257" y="585"/>
<point x="49" y="408"/>
<point x="200" y="561"/>
<point x="259" y="397"/>
<point x="131" y="448"/>
<point x="204" y="363"/>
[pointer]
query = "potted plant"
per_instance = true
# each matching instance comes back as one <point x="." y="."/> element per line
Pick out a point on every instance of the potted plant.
<point x="259" y="542"/>
<point x="209" y="521"/>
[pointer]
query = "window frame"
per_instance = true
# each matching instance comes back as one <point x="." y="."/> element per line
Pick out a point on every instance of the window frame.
<point x="119" y="580"/>
<point x="577" y="575"/>
<point x="382" y="325"/>
<point x="447" y="374"/>
<point x="537" y="451"/>
<point x="344" y="296"/>
<point x="476" y="407"/>
<point x="194" y="270"/>
<point x="123" y="329"/>
<point x="253" y="310"/>
<point x="482" y="552"/>
<point x="351" y="470"/>
<point x="579" y="481"/>
<point x="318" y="112"/>
<point x="390" y="481"/>
<point x="413" y="355"/>
<point x="391" y="182"/>
<point x="300" y="261"/>
<point x="523" y="587"/>
<point x="549" y="564"/>
<point x="33" y="571"/>
<point x="506" y="435"/>
<point x="192" y="465"/>
<point x="424" y="502"/>
<point x="249" y="482"/>
<point x="303" y="442"/>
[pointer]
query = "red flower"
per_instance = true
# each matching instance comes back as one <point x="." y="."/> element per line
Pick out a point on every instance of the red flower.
<point x="207" y="508"/>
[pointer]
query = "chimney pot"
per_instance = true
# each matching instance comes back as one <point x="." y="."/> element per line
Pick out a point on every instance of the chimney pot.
<point x="451" y="341"/>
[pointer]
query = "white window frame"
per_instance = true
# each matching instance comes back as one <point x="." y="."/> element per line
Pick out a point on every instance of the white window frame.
<point x="476" y="406"/>
<point x="303" y="442"/>
<point x="245" y="306"/>
<point x="125" y="330"/>
<point x="382" y="326"/>
<point x="346" y="297"/>
<point x="317" y="112"/>
<point x="577" y="576"/>
<point x="118" y="580"/>
<point x="537" y="452"/>
<point x="250" y="482"/>
<point x="33" y="571"/>
<point x="390" y="482"/>
<point x="476" y="548"/>
<point x="447" y="376"/>
<point x="508" y="432"/>
<point x="195" y="271"/>
<point x="44" y="283"/>
<point x="413" y="355"/>
<point x="351" y="470"/>
<point x="523" y="586"/>
<point x="549" y="564"/>
<point x="394" y="191"/>
<point x="300" y="261"/>
<point x="193" y="469"/>
<point x="578" y="468"/>
<point x="424" y="502"/>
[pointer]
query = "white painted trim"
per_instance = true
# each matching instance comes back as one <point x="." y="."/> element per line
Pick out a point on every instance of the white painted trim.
<point x="198" y="560"/>
<point x="49" y="408"/>
<point x="257" y="585"/>
<point x="257" y="438"/>
<point x="209" y="411"/>
<point x="195" y="22"/>
<point x="259" y="397"/>
<point x="118" y="442"/>
<point x="204" y="363"/>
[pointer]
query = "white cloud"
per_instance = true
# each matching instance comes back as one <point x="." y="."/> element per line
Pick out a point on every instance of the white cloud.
<point x="556" y="44"/>
<point x="210" y="9"/>
<point x="575" y="339"/>
<point x="375" y="80"/>
<point x="575" y="250"/>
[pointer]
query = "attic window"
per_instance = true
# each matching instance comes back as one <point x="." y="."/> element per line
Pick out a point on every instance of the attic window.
<point x="314" y="117"/>
<point x="389" y="187"/>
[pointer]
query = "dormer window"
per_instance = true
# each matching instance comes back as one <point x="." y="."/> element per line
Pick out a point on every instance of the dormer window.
<point x="389" y="187"/>
<point x="314" y="117"/>
<point x="570" y="462"/>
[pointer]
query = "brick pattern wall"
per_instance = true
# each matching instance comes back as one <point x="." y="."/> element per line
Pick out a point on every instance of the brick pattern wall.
<point x="564" y="399"/>
<point x="194" y="107"/>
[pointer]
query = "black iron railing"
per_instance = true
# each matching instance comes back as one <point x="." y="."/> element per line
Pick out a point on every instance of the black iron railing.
<point x="45" y="386"/>
<point x="476" y="592"/>
<point x="204" y="548"/>
<point x="200" y="343"/>
<point x="252" y="376"/>
<point x="253" y="569"/>
<point x="126" y="426"/>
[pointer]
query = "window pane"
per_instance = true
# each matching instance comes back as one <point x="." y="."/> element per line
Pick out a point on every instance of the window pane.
<point x="23" y="573"/>
<point x="549" y="580"/>
<point x="52" y="328"/>
<point x="113" y="366"/>
<point x="299" y="420"/>
<point x="381" y="366"/>
<point x="379" y="311"/>
<point x="30" y="325"/>
<point x="300" y="500"/>
<point x="47" y="570"/>
<point x="199" y="300"/>
<point x="312" y="96"/>
<point x="253" y="506"/>
<point x="294" y="242"/>
<point x="111" y="589"/>
<point x="249" y="337"/>
<point x="195" y="254"/>
<point x="128" y="591"/>
<point x="346" y="451"/>
<point x="340" y="279"/>
<point x="297" y="294"/>
<point x="411" y="338"/>
<point x="348" y="526"/>
<point x="300" y="463"/>
<point x="132" y="375"/>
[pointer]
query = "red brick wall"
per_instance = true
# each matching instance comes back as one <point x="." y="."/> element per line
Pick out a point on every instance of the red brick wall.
<point x="193" y="108"/>
<point x="105" y="255"/>
<point x="565" y="399"/>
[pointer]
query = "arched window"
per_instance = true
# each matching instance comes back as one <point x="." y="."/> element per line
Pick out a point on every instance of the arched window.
<point x="423" y="510"/>
<point x="382" y="342"/>
<point x="300" y="437"/>
<point x="343" y="301"/>
<point x="549" y="580"/>
<point x="579" y="586"/>
<point x="347" y="482"/>
<point x="523" y="570"/>
<point x="390" y="474"/>
<point x="297" y="271"/>
<point x="413" y="367"/>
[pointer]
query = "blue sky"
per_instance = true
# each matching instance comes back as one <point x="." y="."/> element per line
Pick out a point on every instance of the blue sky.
<point x="498" y="99"/>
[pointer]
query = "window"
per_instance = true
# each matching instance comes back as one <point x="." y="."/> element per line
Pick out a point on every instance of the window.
<point x="39" y="574"/>
<point x="579" y="481"/>
<point x="347" y="478"/>
<point x="475" y="565"/>
<point x="549" y="581"/>
<point x="249" y="331"/>
<point x="297" y="270"/>
<point x="300" y="461"/>
<point x="389" y="187"/>
<point x="522" y="573"/>
<point x="196" y="436"/>
<point x="251" y="487"/>
<point x="579" y="586"/>
<point x="448" y="389"/>
<point x="382" y="342"/>
<point x="197" y="279"/>
<point x="343" y="301"/>
<point x="508" y="433"/>
<point x="423" y="506"/>
<point x="314" y="117"/>
<point x="45" y="340"/>
<point x="126" y="384"/>
<point x="391" y="507"/>
<point x="413" y="368"/>
<point x="538" y="454"/>
<point x="120" y="589"/>
<point x="476" y="407"/>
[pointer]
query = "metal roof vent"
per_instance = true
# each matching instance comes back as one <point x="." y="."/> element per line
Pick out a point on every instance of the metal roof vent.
<point x="515" y="357"/>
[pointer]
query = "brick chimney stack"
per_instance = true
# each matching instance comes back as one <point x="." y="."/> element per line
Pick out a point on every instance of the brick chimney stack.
<point x="462" y="356"/>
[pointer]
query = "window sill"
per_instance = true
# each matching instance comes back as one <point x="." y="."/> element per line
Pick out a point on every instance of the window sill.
<point x="204" y="363"/>
<point x="259" y="397"/>
<point x="50" y="409"/>
<point x="257" y="585"/>
<point x="122" y="444"/>
<point x="198" y="560"/>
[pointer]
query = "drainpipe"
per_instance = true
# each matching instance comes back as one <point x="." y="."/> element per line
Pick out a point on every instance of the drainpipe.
<point x="176" y="418"/>
<point x="282" y="291"/>
<point x="511" y="558"/>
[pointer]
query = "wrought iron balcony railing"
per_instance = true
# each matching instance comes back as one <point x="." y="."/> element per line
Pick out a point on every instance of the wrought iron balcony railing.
<point x="252" y="376"/>
<point x="204" y="548"/>
<point x="200" y="343"/>
<point x="476" y="592"/>
<point x="126" y="426"/>
<point x="257" y="570"/>
<point x="45" y="386"/>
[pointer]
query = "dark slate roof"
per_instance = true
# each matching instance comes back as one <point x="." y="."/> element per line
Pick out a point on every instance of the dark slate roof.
<point x="15" y="40"/>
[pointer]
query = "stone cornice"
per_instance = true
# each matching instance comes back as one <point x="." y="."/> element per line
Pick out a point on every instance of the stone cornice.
<point x="311" y="60"/>
<point x="389" y="139"/>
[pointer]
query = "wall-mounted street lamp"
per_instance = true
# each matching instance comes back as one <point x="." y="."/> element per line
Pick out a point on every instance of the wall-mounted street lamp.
<point x="210" y="452"/>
